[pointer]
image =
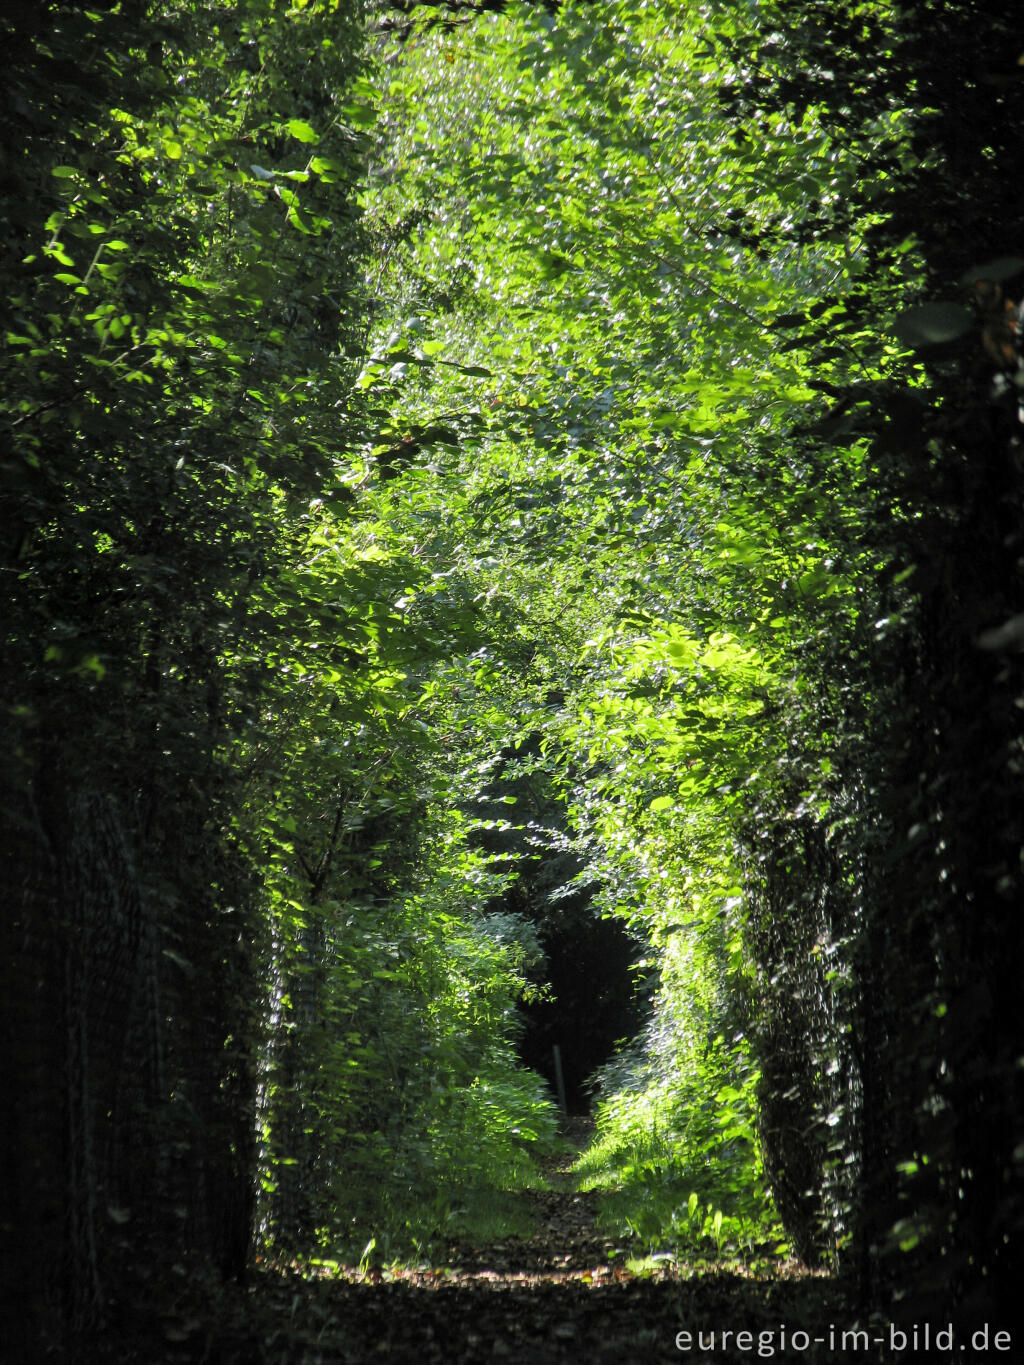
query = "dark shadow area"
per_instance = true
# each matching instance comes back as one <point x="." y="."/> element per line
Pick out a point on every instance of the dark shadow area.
<point x="477" y="1317"/>
<point x="593" y="1002"/>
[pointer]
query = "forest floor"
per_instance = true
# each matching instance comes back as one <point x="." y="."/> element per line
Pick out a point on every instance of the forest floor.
<point x="564" y="1292"/>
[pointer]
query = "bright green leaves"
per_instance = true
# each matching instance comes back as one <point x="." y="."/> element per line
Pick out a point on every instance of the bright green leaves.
<point x="302" y="131"/>
<point x="680" y="719"/>
<point x="588" y="235"/>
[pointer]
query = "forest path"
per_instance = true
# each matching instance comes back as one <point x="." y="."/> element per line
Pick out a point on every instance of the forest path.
<point x="565" y="1244"/>
<point x="560" y="1294"/>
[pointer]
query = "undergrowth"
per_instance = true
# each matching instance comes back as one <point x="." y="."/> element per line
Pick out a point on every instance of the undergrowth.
<point x="457" y="1178"/>
<point x="677" y="1159"/>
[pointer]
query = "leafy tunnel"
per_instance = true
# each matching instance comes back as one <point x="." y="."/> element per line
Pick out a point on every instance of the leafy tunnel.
<point x="511" y="537"/>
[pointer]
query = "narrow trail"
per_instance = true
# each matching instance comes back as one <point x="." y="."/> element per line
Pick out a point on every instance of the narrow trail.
<point x="566" y="1245"/>
<point x="563" y="1293"/>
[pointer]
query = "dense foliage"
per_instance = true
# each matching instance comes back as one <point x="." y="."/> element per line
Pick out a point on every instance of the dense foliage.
<point x="470" y="470"/>
<point x="228" y="943"/>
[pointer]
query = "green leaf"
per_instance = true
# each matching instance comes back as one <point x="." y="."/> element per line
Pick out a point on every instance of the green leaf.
<point x="359" y="115"/>
<point x="302" y="131"/>
<point x="475" y="370"/>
